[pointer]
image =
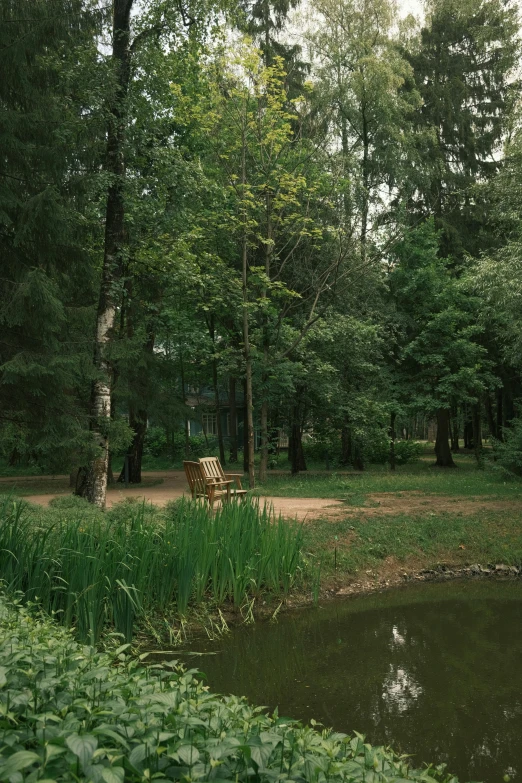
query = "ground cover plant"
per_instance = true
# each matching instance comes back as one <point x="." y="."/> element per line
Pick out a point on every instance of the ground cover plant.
<point x="97" y="571"/>
<point x="69" y="713"/>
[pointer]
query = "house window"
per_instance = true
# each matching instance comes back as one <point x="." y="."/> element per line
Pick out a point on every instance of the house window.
<point x="209" y="421"/>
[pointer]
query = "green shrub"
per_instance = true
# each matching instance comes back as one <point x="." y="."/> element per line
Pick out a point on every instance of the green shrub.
<point x="70" y="714"/>
<point x="407" y="451"/>
<point x="508" y="453"/>
<point x="99" y="570"/>
<point x="155" y="445"/>
<point x="316" y="449"/>
<point x="376" y="446"/>
<point x="155" y="442"/>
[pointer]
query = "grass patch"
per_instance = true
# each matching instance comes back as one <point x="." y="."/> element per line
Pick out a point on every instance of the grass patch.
<point x="364" y="543"/>
<point x="422" y="476"/>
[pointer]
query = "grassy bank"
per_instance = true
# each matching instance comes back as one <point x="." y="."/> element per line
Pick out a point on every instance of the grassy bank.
<point x="342" y="549"/>
<point x="68" y="713"/>
<point x="135" y="563"/>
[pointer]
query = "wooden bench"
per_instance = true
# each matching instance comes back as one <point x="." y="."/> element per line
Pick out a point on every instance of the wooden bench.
<point x="213" y="471"/>
<point x="201" y="486"/>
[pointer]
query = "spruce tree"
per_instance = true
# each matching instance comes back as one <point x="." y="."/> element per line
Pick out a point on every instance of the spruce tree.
<point x="46" y="277"/>
<point x="463" y="67"/>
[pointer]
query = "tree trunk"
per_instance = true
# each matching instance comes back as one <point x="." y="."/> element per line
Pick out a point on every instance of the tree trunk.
<point x="297" y="457"/>
<point x="93" y="483"/>
<point x="245" y="429"/>
<point x="477" y="432"/>
<point x="366" y="186"/>
<point x="137" y="413"/>
<point x="14" y="458"/>
<point x="393" y="416"/>
<point x="219" y="428"/>
<point x="346" y="443"/>
<point x="295" y="442"/>
<point x="110" y="471"/>
<point x="500" y="417"/>
<point x="186" y="420"/>
<point x="263" y="461"/>
<point x="455" y="431"/>
<point x="508" y="401"/>
<point x="233" y="419"/>
<point x="358" y="459"/>
<point x="221" y="443"/>
<point x="138" y="422"/>
<point x="442" y="447"/>
<point x="492" y="421"/>
<point x="468" y="429"/>
<point x="249" y="408"/>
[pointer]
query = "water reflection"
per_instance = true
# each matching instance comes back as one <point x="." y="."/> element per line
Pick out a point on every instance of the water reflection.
<point x="433" y="671"/>
<point x="400" y="690"/>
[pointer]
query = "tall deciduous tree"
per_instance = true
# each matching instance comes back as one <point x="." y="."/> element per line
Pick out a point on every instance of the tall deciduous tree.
<point x="362" y="74"/>
<point x="278" y="191"/>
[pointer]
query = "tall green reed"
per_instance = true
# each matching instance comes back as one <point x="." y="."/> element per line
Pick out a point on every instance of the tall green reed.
<point x="97" y="570"/>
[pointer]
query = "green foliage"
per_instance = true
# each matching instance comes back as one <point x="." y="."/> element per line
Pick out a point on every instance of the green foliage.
<point x="465" y="113"/>
<point x="70" y="714"/>
<point x="407" y="451"/>
<point x="97" y="571"/>
<point x="46" y="292"/>
<point x="438" y="333"/>
<point x="508" y="452"/>
<point x="155" y="443"/>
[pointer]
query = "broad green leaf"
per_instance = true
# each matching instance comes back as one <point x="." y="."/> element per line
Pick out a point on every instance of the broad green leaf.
<point x="83" y="746"/>
<point x="188" y="754"/>
<point x="18" y="761"/>
<point x="113" y="774"/>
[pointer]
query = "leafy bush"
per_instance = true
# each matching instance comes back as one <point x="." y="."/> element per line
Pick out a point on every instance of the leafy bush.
<point x="69" y="713"/>
<point x="315" y="449"/>
<point x="155" y="442"/>
<point x="376" y="446"/>
<point x="508" y="453"/>
<point x="376" y="449"/>
<point x="97" y="570"/>
<point x="407" y="451"/>
<point x="155" y="445"/>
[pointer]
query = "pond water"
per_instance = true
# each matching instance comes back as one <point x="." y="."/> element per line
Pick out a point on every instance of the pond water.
<point x="434" y="670"/>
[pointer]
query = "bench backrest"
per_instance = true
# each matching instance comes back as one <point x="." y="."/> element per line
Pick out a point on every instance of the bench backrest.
<point x="212" y="469"/>
<point x="195" y="478"/>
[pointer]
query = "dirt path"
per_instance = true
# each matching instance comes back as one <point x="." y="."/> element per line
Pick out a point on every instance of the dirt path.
<point x="415" y="503"/>
<point x="173" y="485"/>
